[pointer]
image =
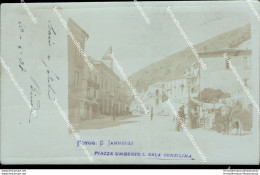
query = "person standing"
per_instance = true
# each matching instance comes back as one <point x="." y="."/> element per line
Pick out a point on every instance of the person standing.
<point x="113" y="113"/>
<point x="227" y="123"/>
<point x="194" y="120"/>
<point x="151" y="114"/>
<point x="203" y="118"/>
<point x="211" y="118"/>
<point x="206" y="116"/>
<point x="177" y="120"/>
<point x="180" y="119"/>
<point x="218" y="121"/>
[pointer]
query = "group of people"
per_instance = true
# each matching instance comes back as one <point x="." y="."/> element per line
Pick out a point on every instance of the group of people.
<point x="219" y="119"/>
<point x="216" y="119"/>
<point x="210" y="119"/>
<point x="181" y="118"/>
<point x="222" y="121"/>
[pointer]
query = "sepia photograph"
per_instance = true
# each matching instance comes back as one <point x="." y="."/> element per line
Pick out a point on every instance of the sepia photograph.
<point x="144" y="83"/>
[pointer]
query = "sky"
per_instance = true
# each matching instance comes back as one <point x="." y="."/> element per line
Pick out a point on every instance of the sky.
<point x="137" y="44"/>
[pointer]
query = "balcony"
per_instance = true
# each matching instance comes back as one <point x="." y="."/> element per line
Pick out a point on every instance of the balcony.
<point x="96" y="86"/>
<point x="111" y="94"/>
<point x="91" y="83"/>
<point x="89" y="98"/>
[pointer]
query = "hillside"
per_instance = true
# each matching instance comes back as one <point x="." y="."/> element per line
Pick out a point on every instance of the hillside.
<point x="174" y="66"/>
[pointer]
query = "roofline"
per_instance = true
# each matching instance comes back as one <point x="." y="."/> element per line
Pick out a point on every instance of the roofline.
<point x="101" y="63"/>
<point x="230" y="52"/>
<point x="74" y="23"/>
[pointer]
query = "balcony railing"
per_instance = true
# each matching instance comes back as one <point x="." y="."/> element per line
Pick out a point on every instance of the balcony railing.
<point x="96" y="86"/>
<point x="89" y="98"/>
<point x="91" y="83"/>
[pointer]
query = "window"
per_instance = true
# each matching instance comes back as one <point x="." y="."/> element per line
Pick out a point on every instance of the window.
<point x="83" y="85"/>
<point x="194" y="80"/>
<point x="111" y="84"/>
<point x="77" y="55"/>
<point x="114" y="86"/>
<point x="94" y="94"/>
<point x="76" y="81"/>
<point x="88" y="92"/>
<point x="157" y="92"/>
<point x="101" y="111"/>
<point x="89" y="73"/>
<point x="182" y="87"/>
<point x="192" y="90"/>
<point x="108" y="84"/>
<point x="246" y="63"/>
<point x="95" y="79"/>
<point x="101" y="79"/>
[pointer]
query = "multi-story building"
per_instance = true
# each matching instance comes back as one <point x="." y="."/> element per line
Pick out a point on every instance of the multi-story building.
<point x="219" y="74"/>
<point x="123" y="100"/>
<point x="95" y="92"/>
<point x="111" y="95"/>
<point x="109" y="83"/>
<point x="80" y="79"/>
<point x="155" y="96"/>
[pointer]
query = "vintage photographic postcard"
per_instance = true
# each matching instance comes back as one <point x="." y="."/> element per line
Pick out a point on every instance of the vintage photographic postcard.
<point x="130" y="83"/>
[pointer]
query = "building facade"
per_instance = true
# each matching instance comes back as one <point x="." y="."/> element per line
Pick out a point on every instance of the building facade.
<point x="219" y="74"/>
<point x="80" y="100"/>
<point x="93" y="93"/>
